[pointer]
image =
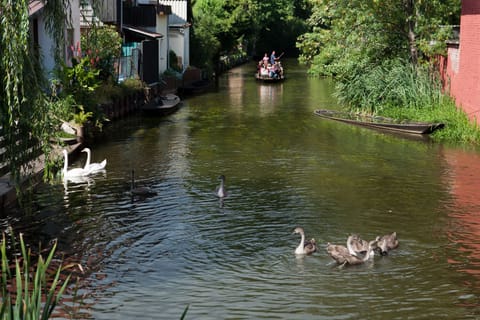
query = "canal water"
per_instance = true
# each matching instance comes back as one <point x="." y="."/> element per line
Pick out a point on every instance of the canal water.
<point x="284" y="167"/>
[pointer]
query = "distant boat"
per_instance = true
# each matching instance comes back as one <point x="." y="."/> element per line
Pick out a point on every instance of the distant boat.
<point x="162" y="105"/>
<point x="380" y="123"/>
<point x="278" y="77"/>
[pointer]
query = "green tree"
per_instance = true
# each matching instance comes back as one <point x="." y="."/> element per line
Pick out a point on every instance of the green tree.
<point x="219" y="26"/>
<point x="358" y="33"/>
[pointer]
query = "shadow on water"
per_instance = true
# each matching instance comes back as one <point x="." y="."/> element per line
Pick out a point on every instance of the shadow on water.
<point x="285" y="168"/>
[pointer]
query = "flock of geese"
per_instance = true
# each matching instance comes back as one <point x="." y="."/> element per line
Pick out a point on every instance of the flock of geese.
<point x="89" y="169"/>
<point x="357" y="251"/>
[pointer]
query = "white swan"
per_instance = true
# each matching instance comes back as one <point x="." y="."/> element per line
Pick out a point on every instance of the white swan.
<point x="221" y="192"/>
<point x="93" y="167"/>
<point x="140" y="191"/>
<point x="306" y="246"/>
<point x="76" y="172"/>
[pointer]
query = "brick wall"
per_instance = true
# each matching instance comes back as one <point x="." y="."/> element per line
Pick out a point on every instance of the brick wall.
<point x="462" y="67"/>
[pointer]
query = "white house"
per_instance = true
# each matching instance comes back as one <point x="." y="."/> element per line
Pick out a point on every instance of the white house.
<point x="44" y="42"/>
<point x="178" y="29"/>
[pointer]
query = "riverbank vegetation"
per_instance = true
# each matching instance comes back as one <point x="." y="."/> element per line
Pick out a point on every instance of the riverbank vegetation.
<point x="32" y="107"/>
<point x="248" y="27"/>
<point x="383" y="57"/>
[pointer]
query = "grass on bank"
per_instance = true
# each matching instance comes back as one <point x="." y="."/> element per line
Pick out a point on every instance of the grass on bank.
<point x="29" y="290"/>
<point x="400" y="90"/>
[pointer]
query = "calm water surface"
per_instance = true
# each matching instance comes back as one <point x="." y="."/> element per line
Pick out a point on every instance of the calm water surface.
<point x="149" y="259"/>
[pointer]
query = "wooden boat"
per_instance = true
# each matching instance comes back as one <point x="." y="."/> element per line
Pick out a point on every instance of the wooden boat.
<point x="268" y="78"/>
<point x="162" y="105"/>
<point x="280" y="76"/>
<point x="380" y="123"/>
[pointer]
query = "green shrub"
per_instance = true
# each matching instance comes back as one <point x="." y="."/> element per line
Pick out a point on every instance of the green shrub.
<point x="102" y="45"/>
<point x="131" y="85"/>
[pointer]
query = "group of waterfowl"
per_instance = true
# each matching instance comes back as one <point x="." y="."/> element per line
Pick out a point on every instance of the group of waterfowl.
<point x="93" y="168"/>
<point x="357" y="251"/>
<point x="87" y="170"/>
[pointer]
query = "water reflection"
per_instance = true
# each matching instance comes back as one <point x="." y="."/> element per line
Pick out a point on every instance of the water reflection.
<point x="270" y="96"/>
<point x="464" y="229"/>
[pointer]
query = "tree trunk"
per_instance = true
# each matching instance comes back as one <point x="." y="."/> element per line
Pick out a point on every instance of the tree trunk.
<point x="411" y="23"/>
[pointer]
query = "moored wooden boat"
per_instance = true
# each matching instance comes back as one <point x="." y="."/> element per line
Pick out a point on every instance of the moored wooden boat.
<point x="162" y="105"/>
<point x="380" y="123"/>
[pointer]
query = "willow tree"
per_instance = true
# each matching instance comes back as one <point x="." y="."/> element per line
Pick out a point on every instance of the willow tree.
<point x="27" y="111"/>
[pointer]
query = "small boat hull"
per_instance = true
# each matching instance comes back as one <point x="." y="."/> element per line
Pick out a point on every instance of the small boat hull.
<point x="380" y="123"/>
<point x="163" y="105"/>
<point x="268" y="79"/>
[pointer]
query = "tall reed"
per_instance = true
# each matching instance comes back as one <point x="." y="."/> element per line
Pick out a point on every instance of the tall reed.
<point x="29" y="292"/>
<point x="401" y="90"/>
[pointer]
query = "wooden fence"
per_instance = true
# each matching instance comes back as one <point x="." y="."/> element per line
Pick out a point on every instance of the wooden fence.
<point x="33" y="150"/>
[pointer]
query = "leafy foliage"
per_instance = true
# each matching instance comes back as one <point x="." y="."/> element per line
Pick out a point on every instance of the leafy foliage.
<point x="80" y="81"/>
<point x="26" y="119"/>
<point x="380" y="53"/>
<point x="255" y="26"/>
<point x="346" y="35"/>
<point x="103" y="46"/>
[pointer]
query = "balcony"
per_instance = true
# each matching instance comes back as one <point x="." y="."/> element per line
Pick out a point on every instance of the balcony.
<point x="140" y="16"/>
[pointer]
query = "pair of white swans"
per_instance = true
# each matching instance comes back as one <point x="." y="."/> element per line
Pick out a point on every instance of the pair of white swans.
<point x="88" y="169"/>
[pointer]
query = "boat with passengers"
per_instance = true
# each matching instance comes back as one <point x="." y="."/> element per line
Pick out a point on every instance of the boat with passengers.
<point x="270" y="69"/>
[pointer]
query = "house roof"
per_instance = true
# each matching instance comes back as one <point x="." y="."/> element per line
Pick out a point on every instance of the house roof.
<point x="142" y="32"/>
<point x="34" y="7"/>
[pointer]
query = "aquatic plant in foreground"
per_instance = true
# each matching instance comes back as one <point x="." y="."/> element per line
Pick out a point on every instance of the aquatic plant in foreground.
<point x="29" y="292"/>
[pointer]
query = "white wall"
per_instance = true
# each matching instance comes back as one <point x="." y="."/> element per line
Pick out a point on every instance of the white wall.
<point x="162" y="28"/>
<point x="46" y="47"/>
<point x="46" y="43"/>
<point x="179" y="41"/>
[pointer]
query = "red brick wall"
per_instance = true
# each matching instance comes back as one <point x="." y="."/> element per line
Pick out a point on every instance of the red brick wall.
<point x="462" y="68"/>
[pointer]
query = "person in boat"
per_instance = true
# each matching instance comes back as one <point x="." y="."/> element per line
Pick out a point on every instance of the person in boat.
<point x="279" y="69"/>
<point x="276" y="71"/>
<point x="265" y="60"/>
<point x="273" y="58"/>
<point x="272" y="72"/>
<point x="264" y="71"/>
